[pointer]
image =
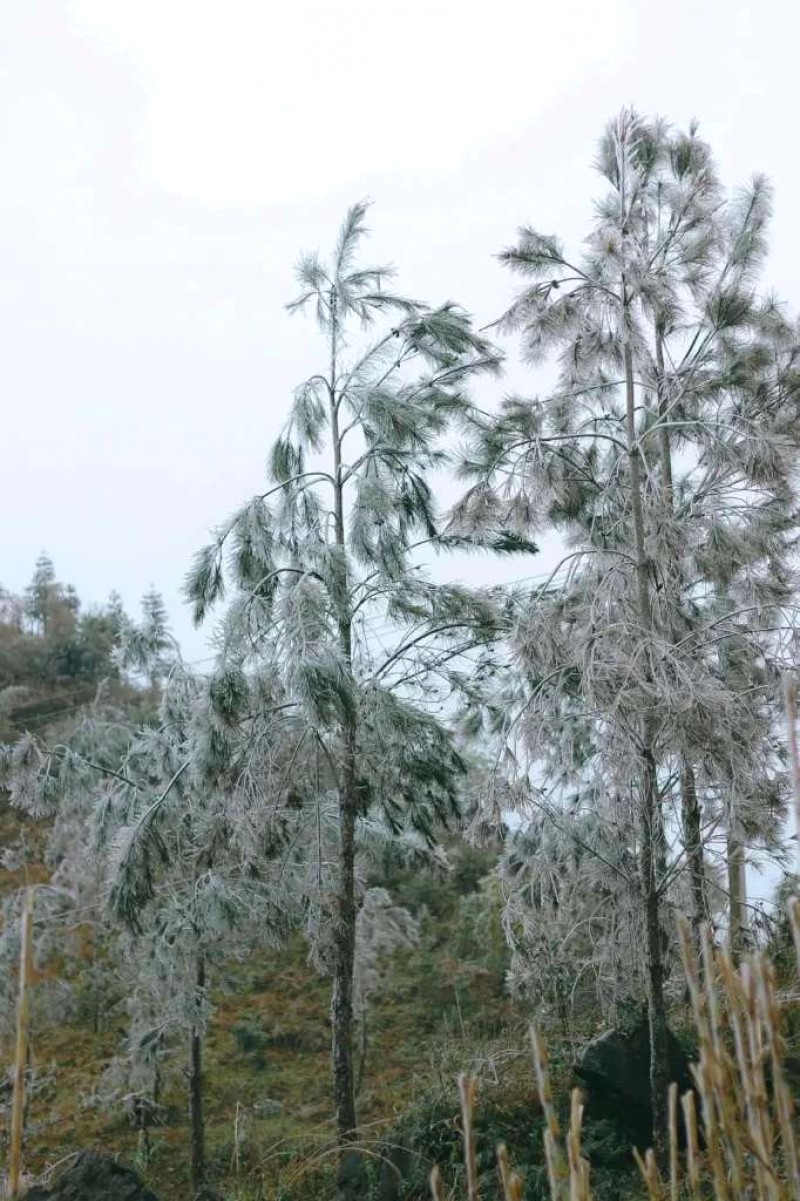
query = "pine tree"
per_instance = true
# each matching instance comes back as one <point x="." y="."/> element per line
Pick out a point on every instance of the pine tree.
<point x="669" y="436"/>
<point x="115" y="610"/>
<point x="204" y="856"/>
<point x="145" y="833"/>
<point x="40" y="593"/>
<point x="149" y="647"/>
<point x="327" y="552"/>
<point x="571" y="917"/>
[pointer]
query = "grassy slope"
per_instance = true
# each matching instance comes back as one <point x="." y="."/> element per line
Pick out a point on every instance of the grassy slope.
<point x="267" y="1058"/>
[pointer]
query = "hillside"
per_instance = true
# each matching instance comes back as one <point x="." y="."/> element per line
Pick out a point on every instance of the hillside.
<point x="55" y="654"/>
<point x="267" y="1054"/>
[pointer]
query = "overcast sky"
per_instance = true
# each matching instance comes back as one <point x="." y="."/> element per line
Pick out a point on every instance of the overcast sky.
<point x="164" y="161"/>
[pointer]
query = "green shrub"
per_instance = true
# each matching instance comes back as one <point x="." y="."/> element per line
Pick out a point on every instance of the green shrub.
<point x="251" y="1042"/>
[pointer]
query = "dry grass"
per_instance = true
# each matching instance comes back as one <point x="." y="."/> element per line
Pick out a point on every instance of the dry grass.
<point x="733" y="1137"/>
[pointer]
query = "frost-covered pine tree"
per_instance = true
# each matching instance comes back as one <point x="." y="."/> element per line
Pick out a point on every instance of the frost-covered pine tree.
<point x="167" y="844"/>
<point x="59" y="781"/>
<point x="664" y="458"/>
<point x="570" y="915"/>
<point x="148" y="647"/>
<point x="325" y="588"/>
<point x="180" y="866"/>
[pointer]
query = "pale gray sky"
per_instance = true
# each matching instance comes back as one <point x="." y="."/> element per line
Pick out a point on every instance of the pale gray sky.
<point x="164" y="160"/>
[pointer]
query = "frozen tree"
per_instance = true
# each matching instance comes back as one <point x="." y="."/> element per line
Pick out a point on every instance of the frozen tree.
<point x="325" y="587"/>
<point x="147" y="853"/>
<point x="145" y="830"/>
<point x="664" y="457"/>
<point x="203" y="856"/>
<point x="59" y="781"/>
<point x="71" y="925"/>
<point x="148" y="647"/>
<point x="570" y="915"/>
<point x="382" y="929"/>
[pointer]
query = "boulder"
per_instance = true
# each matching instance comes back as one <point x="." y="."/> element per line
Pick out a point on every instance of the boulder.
<point x="93" y="1177"/>
<point x="397" y="1165"/>
<point x="614" y="1069"/>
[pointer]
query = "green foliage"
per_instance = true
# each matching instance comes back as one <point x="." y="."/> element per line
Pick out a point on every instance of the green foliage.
<point x="41" y="593"/>
<point x="440" y="889"/>
<point x="480" y="935"/>
<point x="53" y="655"/>
<point x="252" y="1042"/>
<point x="426" y="1135"/>
<point x="205" y="583"/>
<point x="286" y="461"/>
<point x="229" y="694"/>
<point x="252" y="549"/>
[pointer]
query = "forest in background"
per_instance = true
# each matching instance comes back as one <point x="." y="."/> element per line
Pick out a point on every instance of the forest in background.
<point x="398" y="820"/>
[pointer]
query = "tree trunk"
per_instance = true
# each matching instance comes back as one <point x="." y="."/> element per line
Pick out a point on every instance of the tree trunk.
<point x="693" y="841"/>
<point x="196" y="1122"/>
<point x="651" y="824"/>
<point x="651" y="817"/>
<point x="157" y="1070"/>
<point x="737" y="890"/>
<point x="351" y="1176"/>
<point x="344" y="1085"/>
<point x="663" y="407"/>
<point x="690" y="807"/>
<point x="363" y="1050"/>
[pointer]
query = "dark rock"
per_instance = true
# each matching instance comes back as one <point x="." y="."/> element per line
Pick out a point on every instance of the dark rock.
<point x="397" y="1165"/>
<point x="614" y="1068"/>
<point x="92" y="1177"/>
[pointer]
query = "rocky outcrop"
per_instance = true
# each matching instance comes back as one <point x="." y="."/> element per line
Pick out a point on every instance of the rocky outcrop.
<point x="92" y="1177"/>
<point x="614" y="1069"/>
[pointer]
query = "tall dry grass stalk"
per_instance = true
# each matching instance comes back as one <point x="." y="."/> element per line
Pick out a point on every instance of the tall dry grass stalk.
<point x="733" y="1137"/>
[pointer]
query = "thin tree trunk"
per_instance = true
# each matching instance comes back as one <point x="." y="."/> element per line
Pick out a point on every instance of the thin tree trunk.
<point x="690" y="807"/>
<point x="737" y="890"/>
<point x="650" y="823"/>
<point x="196" y="1121"/>
<point x="363" y="1049"/>
<point x="351" y="1177"/>
<point x="693" y="841"/>
<point x="350" y="1165"/>
<point x="663" y="404"/>
<point x="157" y="1071"/>
<point x="651" y="817"/>
<point x="149" y="1111"/>
<point x="734" y="854"/>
